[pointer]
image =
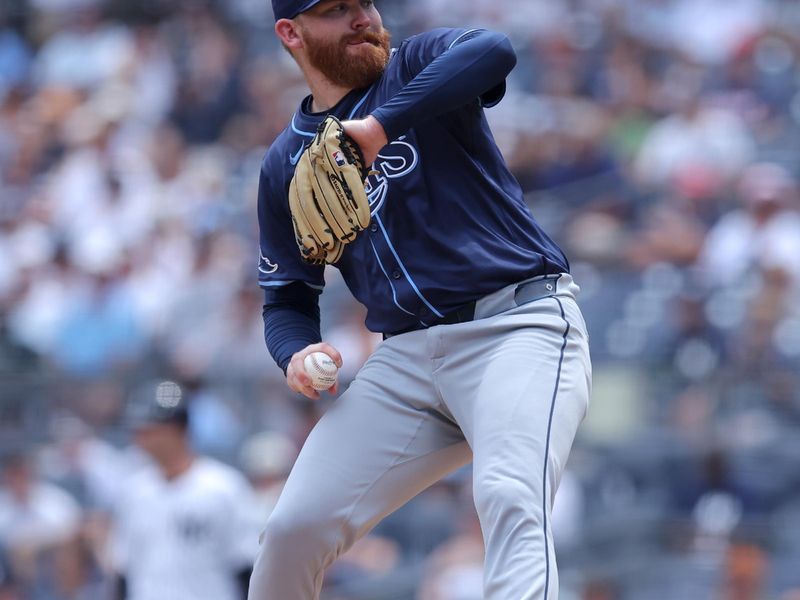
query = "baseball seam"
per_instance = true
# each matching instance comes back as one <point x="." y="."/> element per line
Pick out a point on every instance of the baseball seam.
<point x="319" y="368"/>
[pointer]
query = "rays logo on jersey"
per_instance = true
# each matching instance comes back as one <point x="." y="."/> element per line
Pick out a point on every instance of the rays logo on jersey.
<point x="396" y="160"/>
<point x="338" y="158"/>
<point x="265" y="266"/>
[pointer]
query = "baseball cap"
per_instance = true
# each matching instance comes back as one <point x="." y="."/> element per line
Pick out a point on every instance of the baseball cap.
<point x="289" y="9"/>
<point x="161" y="402"/>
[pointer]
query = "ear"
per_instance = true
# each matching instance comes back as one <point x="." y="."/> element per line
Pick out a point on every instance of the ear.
<point x="288" y="32"/>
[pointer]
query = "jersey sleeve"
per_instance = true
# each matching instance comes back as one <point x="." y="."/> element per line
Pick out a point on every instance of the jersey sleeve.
<point x="466" y="72"/>
<point x="419" y="51"/>
<point x="279" y="260"/>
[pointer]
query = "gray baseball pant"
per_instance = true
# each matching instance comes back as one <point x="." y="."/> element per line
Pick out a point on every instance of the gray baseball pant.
<point x="506" y="390"/>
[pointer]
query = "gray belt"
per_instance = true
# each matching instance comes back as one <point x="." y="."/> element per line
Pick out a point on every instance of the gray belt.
<point x="527" y="291"/>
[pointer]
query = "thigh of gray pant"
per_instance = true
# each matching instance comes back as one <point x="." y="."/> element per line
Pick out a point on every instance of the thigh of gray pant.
<point x="381" y="443"/>
<point x="509" y="372"/>
<point x="518" y="384"/>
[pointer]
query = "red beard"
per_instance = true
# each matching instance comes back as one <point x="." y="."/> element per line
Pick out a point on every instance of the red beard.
<point x="353" y="69"/>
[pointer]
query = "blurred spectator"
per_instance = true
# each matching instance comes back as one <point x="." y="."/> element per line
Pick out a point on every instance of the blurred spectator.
<point x="33" y="319"/>
<point x="455" y="569"/>
<point x="208" y="92"/>
<point x="38" y="523"/>
<point x="599" y="589"/>
<point x="370" y="559"/>
<point x="15" y="57"/>
<point x="746" y="568"/>
<point x="85" y="51"/>
<point x="8" y="586"/>
<point x="353" y="340"/>
<point x="14" y="357"/>
<point x="762" y="234"/>
<point x="266" y="459"/>
<point x="420" y="527"/>
<point x="716" y="499"/>
<point x="229" y="345"/>
<point x="100" y="333"/>
<point x="214" y="427"/>
<point x="696" y="135"/>
<point x="83" y="463"/>
<point x="568" y="517"/>
<point x="710" y="34"/>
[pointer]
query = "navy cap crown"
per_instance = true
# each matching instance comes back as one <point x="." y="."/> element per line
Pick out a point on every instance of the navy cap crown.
<point x="289" y="9"/>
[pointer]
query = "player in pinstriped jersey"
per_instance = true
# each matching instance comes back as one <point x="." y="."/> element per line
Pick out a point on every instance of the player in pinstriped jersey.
<point x="485" y="355"/>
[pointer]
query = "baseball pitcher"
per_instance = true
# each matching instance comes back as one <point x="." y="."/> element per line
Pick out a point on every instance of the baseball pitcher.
<point x="389" y="172"/>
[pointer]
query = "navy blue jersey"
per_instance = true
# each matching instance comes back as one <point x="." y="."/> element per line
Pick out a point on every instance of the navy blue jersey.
<point x="449" y="222"/>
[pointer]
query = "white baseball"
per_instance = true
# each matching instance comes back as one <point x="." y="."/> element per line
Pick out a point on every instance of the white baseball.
<point x="321" y="369"/>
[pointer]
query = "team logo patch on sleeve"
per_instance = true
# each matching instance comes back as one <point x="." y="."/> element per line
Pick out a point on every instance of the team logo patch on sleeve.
<point x="265" y="266"/>
<point x="338" y="158"/>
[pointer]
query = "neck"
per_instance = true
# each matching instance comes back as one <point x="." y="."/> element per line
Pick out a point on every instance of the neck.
<point x="176" y="464"/>
<point x="324" y="94"/>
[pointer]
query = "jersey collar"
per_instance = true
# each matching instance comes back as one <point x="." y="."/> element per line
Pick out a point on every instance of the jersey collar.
<point x="306" y="121"/>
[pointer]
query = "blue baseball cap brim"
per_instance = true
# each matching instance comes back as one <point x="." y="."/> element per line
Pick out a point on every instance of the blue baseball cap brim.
<point x="289" y="9"/>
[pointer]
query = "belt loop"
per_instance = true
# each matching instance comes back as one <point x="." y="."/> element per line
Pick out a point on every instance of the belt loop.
<point x="536" y="289"/>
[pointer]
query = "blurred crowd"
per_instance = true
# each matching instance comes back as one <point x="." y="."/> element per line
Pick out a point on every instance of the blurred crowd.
<point x="658" y="141"/>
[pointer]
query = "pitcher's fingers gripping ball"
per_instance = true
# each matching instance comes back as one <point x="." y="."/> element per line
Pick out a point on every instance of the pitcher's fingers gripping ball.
<point x="321" y="369"/>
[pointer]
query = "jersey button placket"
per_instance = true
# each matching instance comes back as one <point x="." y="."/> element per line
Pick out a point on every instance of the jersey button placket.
<point x="396" y="274"/>
<point x="373" y="227"/>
